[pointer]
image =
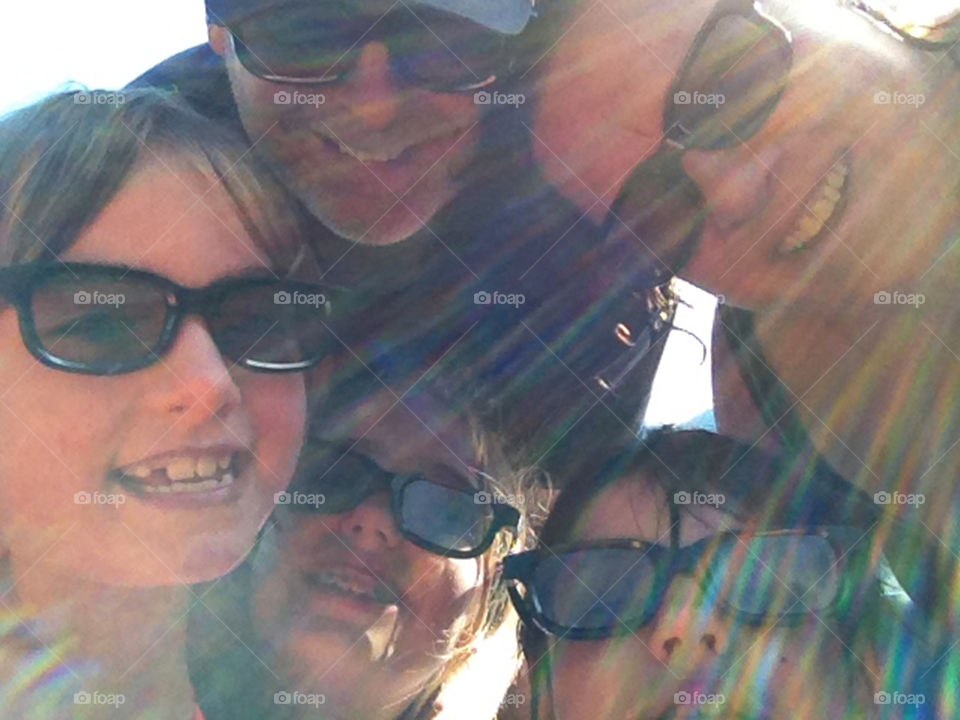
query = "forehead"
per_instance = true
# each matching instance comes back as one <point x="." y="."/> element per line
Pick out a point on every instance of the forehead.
<point x="172" y="217"/>
<point x="635" y="506"/>
<point x="409" y="435"/>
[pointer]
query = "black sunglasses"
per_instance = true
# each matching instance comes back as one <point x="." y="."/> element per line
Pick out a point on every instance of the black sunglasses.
<point x="446" y="513"/>
<point x="319" y="42"/>
<point x="601" y="589"/>
<point x="108" y="320"/>
<point x="728" y="86"/>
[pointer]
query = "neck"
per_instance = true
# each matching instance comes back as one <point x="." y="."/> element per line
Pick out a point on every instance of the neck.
<point x="128" y="643"/>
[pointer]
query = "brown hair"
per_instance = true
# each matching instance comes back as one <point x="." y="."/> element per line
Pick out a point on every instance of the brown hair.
<point x="63" y="159"/>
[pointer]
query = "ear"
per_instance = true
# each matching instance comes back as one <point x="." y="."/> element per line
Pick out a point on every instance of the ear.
<point x="219" y="38"/>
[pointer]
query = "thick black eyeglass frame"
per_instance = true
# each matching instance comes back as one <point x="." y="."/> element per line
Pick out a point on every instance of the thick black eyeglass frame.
<point x="19" y="282"/>
<point x="249" y="60"/>
<point x="663" y="171"/>
<point x="505" y="516"/>
<point x="675" y="560"/>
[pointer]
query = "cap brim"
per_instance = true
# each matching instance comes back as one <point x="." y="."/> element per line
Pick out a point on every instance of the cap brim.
<point x="509" y="17"/>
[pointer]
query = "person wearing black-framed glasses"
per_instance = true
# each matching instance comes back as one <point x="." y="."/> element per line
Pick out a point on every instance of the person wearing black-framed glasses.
<point x="376" y="582"/>
<point x="819" y="198"/>
<point x="692" y="575"/>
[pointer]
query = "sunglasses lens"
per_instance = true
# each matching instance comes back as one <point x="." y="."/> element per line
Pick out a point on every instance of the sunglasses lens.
<point x="302" y="40"/>
<point x="446" y="53"/>
<point x="767" y="577"/>
<point x="272" y="326"/>
<point x="443" y="516"/>
<point x="656" y="220"/>
<point x="98" y="322"/>
<point x="732" y="85"/>
<point x="597" y="590"/>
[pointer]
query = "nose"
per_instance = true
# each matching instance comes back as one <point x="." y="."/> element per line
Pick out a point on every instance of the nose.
<point x="198" y="385"/>
<point x="686" y="634"/>
<point x="371" y="91"/>
<point x="370" y="526"/>
<point x="736" y="182"/>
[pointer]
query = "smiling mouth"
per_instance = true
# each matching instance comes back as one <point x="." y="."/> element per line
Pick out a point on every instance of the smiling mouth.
<point x="197" y="472"/>
<point x="823" y="207"/>
<point x="364" y="156"/>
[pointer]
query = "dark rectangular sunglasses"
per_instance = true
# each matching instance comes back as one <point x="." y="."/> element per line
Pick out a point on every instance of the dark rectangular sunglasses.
<point x="319" y="42"/>
<point x="447" y="515"/>
<point x="729" y="84"/>
<point x="109" y="320"/>
<point x="606" y="588"/>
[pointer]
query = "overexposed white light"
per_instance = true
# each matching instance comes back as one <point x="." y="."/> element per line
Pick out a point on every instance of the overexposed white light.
<point x="47" y="44"/>
<point x="682" y="392"/>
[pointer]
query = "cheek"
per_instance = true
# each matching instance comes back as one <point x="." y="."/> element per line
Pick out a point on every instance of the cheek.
<point x="277" y="408"/>
<point x="57" y="434"/>
<point x="444" y="592"/>
<point x="599" y="679"/>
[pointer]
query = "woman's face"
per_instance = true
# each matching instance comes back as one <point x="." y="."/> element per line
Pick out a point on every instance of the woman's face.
<point x="348" y="606"/>
<point x="65" y="435"/>
<point x="874" y="151"/>
<point x="691" y="654"/>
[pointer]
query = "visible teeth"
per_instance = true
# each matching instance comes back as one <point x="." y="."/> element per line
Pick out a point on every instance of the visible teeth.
<point x="141" y="471"/>
<point x="811" y="222"/>
<point x="364" y="156"/>
<point x="206" y="466"/>
<point x="224" y="462"/>
<point x="157" y="488"/>
<point x="181" y="469"/>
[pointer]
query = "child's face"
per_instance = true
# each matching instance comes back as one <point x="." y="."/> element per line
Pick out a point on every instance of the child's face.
<point x="692" y="659"/>
<point x="352" y="609"/>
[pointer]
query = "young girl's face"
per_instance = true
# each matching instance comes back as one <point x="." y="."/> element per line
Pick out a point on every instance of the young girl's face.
<point x="349" y="607"/>
<point x="692" y="659"/>
<point x="63" y="512"/>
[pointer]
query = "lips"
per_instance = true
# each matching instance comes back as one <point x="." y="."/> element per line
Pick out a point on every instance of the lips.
<point x="358" y="584"/>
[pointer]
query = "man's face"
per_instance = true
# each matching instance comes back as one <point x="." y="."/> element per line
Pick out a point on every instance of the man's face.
<point x="371" y="157"/>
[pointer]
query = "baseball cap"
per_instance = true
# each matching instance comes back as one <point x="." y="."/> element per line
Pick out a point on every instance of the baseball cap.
<point x="509" y="17"/>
